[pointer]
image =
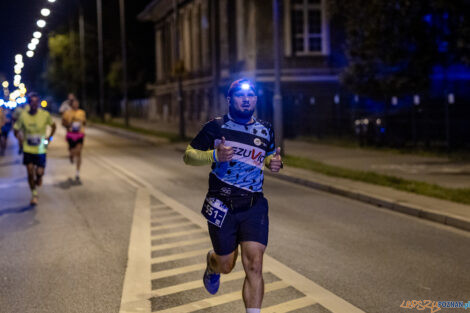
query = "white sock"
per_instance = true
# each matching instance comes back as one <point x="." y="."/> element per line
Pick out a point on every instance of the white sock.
<point x="251" y="310"/>
<point x="77" y="173"/>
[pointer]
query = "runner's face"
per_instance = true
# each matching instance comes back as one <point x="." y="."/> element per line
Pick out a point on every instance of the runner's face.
<point x="34" y="103"/>
<point x="244" y="102"/>
<point x="75" y="104"/>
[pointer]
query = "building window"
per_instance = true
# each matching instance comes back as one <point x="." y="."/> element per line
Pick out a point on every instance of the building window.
<point x="307" y="27"/>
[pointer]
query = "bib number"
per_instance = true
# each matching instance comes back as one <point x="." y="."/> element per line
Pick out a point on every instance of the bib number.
<point x="214" y="211"/>
<point x="33" y="140"/>
<point x="76" y="126"/>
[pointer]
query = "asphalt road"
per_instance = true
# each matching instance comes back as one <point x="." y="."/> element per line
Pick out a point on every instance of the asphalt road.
<point x="69" y="254"/>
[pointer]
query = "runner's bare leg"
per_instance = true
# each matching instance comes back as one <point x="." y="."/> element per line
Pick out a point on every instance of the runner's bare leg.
<point x="253" y="287"/>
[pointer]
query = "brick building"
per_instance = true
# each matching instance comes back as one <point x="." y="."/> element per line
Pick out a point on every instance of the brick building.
<point x="223" y="40"/>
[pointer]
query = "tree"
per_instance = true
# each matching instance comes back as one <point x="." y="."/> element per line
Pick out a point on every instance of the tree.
<point x="393" y="45"/>
<point x="63" y="70"/>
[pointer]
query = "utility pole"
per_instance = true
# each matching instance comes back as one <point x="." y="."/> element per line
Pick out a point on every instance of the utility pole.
<point x="124" y="60"/>
<point x="215" y="46"/>
<point x="81" y="22"/>
<point x="99" y="13"/>
<point x="179" y="69"/>
<point x="277" y="98"/>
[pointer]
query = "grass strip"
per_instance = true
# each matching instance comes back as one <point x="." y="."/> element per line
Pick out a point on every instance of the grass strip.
<point x="172" y="137"/>
<point x="460" y="195"/>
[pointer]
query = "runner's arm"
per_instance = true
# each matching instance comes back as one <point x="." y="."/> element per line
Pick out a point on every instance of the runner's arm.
<point x="53" y="128"/>
<point x="201" y="149"/>
<point x="198" y="157"/>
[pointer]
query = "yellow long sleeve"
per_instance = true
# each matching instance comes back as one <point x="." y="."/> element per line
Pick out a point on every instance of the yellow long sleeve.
<point x="198" y="157"/>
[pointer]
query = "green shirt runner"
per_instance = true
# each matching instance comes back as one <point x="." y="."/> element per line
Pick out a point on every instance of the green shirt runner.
<point x="34" y="129"/>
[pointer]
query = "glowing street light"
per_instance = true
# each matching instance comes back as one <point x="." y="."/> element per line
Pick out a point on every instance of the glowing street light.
<point x="5" y="84"/>
<point x="51" y="1"/>
<point x="30" y="54"/>
<point x="41" y="23"/>
<point x="45" y="12"/>
<point x="37" y="35"/>
<point x="17" y="71"/>
<point x="18" y="58"/>
<point x="35" y="41"/>
<point x="31" y="46"/>
<point x="17" y="77"/>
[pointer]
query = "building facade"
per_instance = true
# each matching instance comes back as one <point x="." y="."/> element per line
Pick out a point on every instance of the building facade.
<point x="210" y="43"/>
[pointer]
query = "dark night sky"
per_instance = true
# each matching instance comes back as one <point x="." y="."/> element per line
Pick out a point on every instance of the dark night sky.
<point x="18" y="22"/>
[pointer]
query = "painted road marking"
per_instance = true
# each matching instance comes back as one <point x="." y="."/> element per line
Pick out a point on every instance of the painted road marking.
<point x="194" y="284"/>
<point x="136" y="280"/>
<point x="218" y="300"/>
<point x="164" y="214"/>
<point x="287" y="276"/>
<point x="290" y="305"/>
<point x="180" y="244"/>
<point x="174" y="225"/>
<point x="178" y="271"/>
<point x="179" y="256"/>
<point x="167" y="218"/>
<point x="159" y="207"/>
<point x="178" y="234"/>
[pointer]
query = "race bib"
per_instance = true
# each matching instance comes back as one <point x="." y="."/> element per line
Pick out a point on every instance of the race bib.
<point x="33" y="140"/>
<point x="76" y="126"/>
<point x="214" y="211"/>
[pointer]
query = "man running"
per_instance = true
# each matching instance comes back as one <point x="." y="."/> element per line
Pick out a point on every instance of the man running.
<point x="30" y="129"/>
<point x="67" y="103"/>
<point x="5" y="129"/>
<point x="238" y="146"/>
<point x="74" y="120"/>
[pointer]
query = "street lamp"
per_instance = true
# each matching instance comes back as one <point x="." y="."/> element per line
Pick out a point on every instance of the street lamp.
<point x="37" y="35"/>
<point x="17" y="70"/>
<point x="30" y="54"/>
<point x="35" y="41"/>
<point x="5" y="84"/>
<point x="41" y="23"/>
<point x="45" y="12"/>
<point x="31" y="46"/>
<point x="18" y="58"/>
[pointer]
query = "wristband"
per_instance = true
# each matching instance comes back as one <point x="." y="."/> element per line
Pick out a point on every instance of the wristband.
<point x="214" y="155"/>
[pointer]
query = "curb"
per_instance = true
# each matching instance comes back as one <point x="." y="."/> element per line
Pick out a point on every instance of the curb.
<point x="397" y="206"/>
<point x="394" y="205"/>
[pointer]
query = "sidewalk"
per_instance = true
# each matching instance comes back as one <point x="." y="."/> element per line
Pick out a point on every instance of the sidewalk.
<point x="434" y="170"/>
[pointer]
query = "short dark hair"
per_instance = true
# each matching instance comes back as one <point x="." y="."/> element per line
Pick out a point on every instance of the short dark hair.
<point x="31" y="95"/>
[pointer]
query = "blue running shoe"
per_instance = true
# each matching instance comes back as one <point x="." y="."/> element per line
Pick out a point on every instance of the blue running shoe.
<point x="210" y="279"/>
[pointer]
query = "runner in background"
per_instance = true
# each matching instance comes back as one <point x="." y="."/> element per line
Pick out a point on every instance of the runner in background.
<point x="74" y="121"/>
<point x="5" y="127"/>
<point x="30" y="129"/>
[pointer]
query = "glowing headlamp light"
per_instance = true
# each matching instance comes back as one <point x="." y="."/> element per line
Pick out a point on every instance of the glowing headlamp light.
<point x="245" y="86"/>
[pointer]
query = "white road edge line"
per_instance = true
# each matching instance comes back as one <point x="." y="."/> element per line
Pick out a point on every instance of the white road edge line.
<point x="321" y="295"/>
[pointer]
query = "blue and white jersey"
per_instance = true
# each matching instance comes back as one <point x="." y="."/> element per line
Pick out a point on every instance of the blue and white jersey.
<point x="251" y="144"/>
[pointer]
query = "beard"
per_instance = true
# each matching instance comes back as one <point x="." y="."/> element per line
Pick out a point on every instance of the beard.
<point x="241" y="115"/>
